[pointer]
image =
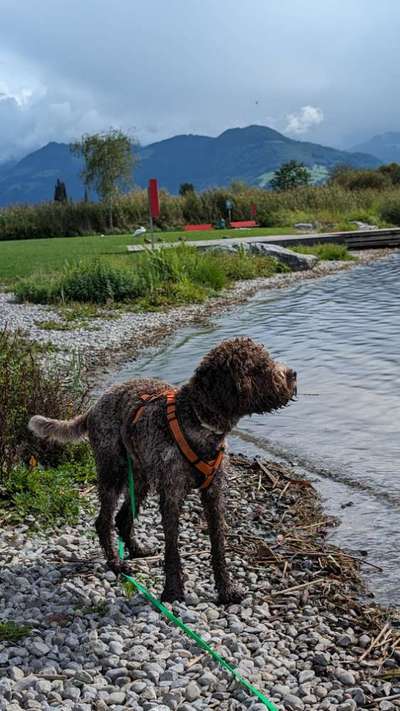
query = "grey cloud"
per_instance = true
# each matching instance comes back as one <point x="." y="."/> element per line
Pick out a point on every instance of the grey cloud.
<point x="160" y="68"/>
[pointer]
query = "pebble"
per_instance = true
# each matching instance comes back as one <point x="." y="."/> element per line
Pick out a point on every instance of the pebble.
<point x="39" y="648"/>
<point x="345" y="677"/>
<point x="364" y="641"/>
<point x="212" y="614"/>
<point x="344" y="640"/>
<point x="192" y="691"/>
<point x="117" y="697"/>
<point x="321" y="659"/>
<point x="43" y="686"/>
<point x="358" y="696"/>
<point x="293" y="702"/>
<point x="16" y="673"/>
<point x="306" y="675"/>
<point x="208" y="680"/>
<point x="347" y="706"/>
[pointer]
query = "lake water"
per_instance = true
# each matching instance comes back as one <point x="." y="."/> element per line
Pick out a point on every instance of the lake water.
<point x="342" y="336"/>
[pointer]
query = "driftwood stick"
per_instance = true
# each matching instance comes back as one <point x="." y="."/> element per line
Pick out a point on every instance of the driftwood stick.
<point x="319" y="581"/>
<point x="374" y="642"/>
<point x="311" y="525"/>
<point x="284" y="490"/>
<point x="196" y="660"/>
<point x="319" y="554"/>
<point x="270" y="476"/>
<point x="372" y="704"/>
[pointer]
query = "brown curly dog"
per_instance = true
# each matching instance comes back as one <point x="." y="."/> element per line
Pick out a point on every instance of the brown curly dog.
<point x="236" y="378"/>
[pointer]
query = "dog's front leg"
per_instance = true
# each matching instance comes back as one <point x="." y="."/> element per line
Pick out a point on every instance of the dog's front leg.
<point x="213" y="503"/>
<point x="170" y="510"/>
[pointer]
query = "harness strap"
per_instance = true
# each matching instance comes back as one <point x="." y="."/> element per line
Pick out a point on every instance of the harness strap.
<point x="145" y="397"/>
<point x="209" y="468"/>
<point x="206" y="468"/>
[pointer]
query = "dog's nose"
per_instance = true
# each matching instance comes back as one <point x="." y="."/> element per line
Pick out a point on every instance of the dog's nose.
<point x="291" y="374"/>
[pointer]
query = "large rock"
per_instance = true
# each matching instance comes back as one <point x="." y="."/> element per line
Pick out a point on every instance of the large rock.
<point x="296" y="261"/>
<point x="304" y="226"/>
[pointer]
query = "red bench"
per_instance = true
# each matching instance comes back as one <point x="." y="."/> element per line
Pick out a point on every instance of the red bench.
<point x="243" y="223"/>
<point x="195" y="228"/>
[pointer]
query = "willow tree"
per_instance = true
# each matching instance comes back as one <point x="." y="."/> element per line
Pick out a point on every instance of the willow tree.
<point x="108" y="164"/>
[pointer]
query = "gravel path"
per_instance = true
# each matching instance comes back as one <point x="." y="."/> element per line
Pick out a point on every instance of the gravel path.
<point x="90" y="647"/>
<point x="123" y="334"/>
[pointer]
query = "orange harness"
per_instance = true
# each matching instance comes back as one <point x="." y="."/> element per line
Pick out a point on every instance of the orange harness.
<point x="208" y="469"/>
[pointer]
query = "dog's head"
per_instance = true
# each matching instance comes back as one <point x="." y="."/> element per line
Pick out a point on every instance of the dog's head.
<point x="239" y="378"/>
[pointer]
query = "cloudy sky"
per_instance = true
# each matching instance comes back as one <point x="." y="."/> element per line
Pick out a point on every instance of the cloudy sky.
<point x="325" y="71"/>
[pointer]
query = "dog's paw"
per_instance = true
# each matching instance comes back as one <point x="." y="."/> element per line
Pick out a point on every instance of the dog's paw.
<point x="232" y="595"/>
<point x="141" y="552"/>
<point x="119" y="566"/>
<point x="169" y="595"/>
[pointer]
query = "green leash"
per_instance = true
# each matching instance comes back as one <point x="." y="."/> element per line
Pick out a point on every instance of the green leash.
<point x="176" y="620"/>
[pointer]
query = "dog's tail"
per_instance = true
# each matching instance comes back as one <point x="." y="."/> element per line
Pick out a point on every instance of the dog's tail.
<point x="59" y="430"/>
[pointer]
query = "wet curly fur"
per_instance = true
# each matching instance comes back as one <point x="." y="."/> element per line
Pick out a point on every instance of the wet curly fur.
<point x="236" y="378"/>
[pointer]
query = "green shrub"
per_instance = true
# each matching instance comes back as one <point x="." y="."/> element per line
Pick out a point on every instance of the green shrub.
<point x="51" y="496"/>
<point x="12" y="632"/>
<point x="93" y="281"/>
<point x="37" y="289"/>
<point x="326" y="252"/>
<point x="158" y="271"/>
<point x="244" y="265"/>
<point x="352" y="179"/>
<point x="182" y="292"/>
<point x="392" y="171"/>
<point x="390" y="211"/>
<point x="181" y="274"/>
<point x="98" y="282"/>
<point x="209" y="272"/>
<point x="266" y="218"/>
<point x="27" y="389"/>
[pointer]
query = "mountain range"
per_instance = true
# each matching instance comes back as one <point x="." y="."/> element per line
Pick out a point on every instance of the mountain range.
<point x="385" y="146"/>
<point x="250" y="154"/>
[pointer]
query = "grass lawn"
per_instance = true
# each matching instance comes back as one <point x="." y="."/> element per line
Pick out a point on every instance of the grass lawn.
<point x="21" y="258"/>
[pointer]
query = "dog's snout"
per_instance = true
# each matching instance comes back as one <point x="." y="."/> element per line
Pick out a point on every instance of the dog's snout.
<point x="291" y="377"/>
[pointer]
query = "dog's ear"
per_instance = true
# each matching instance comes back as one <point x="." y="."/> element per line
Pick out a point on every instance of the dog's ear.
<point x="216" y="389"/>
<point x="221" y="382"/>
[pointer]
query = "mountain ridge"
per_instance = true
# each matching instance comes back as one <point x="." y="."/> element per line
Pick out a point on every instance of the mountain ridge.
<point x="250" y="154"/>
<point x="385" y="146"/>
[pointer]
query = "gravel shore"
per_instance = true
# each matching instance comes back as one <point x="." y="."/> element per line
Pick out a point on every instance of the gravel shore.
<point x="298" y="635"/>
<point x="104" y="342"/>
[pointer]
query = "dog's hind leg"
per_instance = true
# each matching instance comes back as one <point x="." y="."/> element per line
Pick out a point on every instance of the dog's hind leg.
<point x="111" y="476"/>
<point x="105" y="527"/>
<point x="213" y="504"/>
<point x="126" y="529"/>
